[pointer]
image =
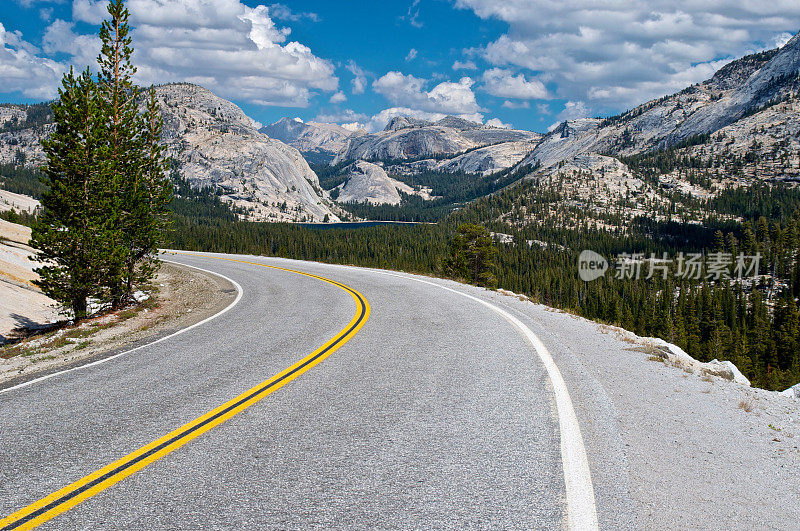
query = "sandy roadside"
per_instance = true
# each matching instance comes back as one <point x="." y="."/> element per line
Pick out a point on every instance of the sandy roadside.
<point x="185" y="296"/>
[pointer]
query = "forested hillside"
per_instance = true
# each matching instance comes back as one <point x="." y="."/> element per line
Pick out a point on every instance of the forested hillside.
<point x="757" y="327"/>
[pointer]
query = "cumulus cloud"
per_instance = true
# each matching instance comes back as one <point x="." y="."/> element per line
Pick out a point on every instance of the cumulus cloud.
<point x="508" y="104"/>
<point x="465" y="65"/>
<point x="339" y="97"/>
<point x="627" y="51"/>
<point x="354" y="126"/>
<point x="60" y="37"/>
<point x="495" y="122"/>
<point x="446" y="97"/>
<point x="339" y="117"/>
<point x="91" y="11"/>
<point x="572" y="111"/>
<point x="412" y="54"/>
<point x="23" y="70"/>
<point x="233" y="49"/>
<point x="359" y="77"/>
<point x="504" y="84"/>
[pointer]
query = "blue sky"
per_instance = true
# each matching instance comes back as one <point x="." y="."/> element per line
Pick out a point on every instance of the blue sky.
<point x="523" y="63"/>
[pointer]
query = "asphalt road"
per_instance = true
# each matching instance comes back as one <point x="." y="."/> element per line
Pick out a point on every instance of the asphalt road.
<point x="437" y="413"/>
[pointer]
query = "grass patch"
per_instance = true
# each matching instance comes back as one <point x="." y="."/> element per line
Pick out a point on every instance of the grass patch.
<point x="124" y="315"/>
<point x="79" y="333"/>
<point x="9" y="352"/>
<point x="747" y="405"/>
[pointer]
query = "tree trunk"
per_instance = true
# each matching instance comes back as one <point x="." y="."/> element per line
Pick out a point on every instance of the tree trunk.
<point x="79" y="306"/>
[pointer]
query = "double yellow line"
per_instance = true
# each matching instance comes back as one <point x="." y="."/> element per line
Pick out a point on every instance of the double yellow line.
<point x="86" y="487"/>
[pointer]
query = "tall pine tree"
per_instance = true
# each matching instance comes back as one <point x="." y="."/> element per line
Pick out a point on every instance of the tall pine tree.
<point x="136" y="168"/>
<point x="106" y="211"/>
<point x="74" y="234"/>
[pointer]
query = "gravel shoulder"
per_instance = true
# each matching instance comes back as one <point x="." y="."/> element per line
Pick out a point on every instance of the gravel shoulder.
<point x="182" y="297"/>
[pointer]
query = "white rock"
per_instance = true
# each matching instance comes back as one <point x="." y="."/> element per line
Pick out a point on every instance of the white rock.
<point x="490" y="159"/>
<point x="369" y="182"/>
<point x="315" y="140"/>
<point x="405" y="138"/>
<point x="723" y="369"/>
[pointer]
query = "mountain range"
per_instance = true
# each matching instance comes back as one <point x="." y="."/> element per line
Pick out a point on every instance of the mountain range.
<point x="739" y="126"/>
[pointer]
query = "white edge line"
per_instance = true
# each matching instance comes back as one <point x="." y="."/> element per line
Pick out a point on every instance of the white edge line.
<point x="581" y="504"/>
<point x="115" y="356"/>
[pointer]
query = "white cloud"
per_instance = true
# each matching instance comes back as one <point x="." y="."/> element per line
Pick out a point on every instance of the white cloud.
<point x="623" y="52"/>
<point x="516" y="104"/>
<point x="347" y="115"/>
<point x="284" y="13"/>
<point x="399" y="88"/>
<point x="354" y="126"/>
<point x="339" y="97"/>
<point x="412" y="54"/>
<point x="572" y="111"/>
<point x="446" y="97"/>
<point x="23" y="70"/>
<point x="59" y="37"/>
<point x="29" y="3"/>
<point x="504" y="84"/>
<point x="91" y="11"/>
<point x="465" y="65"/>
<point x="412" y="15"/>
<point x="495" y="122"/>
<point x="781" y="39"/>
<point x="235" y="50"/>
<point x="359" y="79"/>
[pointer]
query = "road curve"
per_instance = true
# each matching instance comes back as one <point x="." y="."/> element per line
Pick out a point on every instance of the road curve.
<point x="437" y="413"/>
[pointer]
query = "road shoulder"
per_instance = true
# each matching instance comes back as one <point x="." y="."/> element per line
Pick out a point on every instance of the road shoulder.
<point x="701" y="452"/>
<point x="185" y="297"/>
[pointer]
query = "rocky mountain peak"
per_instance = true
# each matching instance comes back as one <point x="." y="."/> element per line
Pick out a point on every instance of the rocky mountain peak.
<point x="318" y="142"/>
<point x="460" y="124"/>
<point x="285" y="129"/>
<point x="737" y="72"/>
<point x="405" y="122"/>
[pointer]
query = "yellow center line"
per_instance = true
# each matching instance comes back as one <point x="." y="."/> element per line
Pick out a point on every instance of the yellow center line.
<point x="96" y="482"/>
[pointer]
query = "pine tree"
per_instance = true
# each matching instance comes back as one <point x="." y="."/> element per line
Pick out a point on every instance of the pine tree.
<point x="150" y="217"/>
<point x="473" y="256"/>
<point x="73" y="235"/>
<point x="136" y="168"/>
<point x="123" y="168"/>
<point x="106" y="209"/>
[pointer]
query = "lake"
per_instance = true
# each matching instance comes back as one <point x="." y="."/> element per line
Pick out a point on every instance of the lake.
<point x="355" y="224"/>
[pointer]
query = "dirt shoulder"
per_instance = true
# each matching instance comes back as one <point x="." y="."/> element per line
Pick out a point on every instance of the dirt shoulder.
<point x="181" y="297"/>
